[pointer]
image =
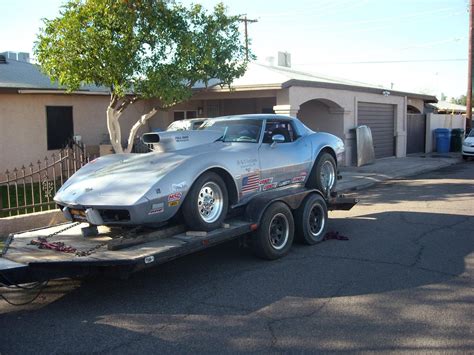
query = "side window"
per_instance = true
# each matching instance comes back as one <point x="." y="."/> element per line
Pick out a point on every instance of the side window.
<point x="279" y="127"/>
<point x="59" y="126"/>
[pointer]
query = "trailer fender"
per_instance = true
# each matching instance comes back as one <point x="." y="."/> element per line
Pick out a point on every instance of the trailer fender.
<point x="292" y="198"/>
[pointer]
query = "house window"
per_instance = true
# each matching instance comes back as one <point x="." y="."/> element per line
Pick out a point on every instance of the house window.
<point x="181" y="115"/>
<point x="59" y="126"/>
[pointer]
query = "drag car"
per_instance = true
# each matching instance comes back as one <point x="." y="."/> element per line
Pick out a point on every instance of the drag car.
<point x="201" y="174"/>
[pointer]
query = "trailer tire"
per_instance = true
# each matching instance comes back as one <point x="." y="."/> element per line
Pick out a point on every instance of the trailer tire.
<point x="311" y="220"/>
<point x="274" y="236"/>
<point x="206" y="203"/>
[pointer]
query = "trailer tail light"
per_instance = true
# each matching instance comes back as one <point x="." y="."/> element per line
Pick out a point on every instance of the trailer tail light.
<point x="254" y="227"/>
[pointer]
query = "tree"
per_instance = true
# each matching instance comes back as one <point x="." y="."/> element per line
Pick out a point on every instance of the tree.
<point x="461" y="100"/>
<point x="140" y="49"/>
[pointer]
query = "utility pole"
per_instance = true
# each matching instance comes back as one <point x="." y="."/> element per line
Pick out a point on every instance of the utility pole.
<point x="245" y="20"/>
<point x="469" y="68"/>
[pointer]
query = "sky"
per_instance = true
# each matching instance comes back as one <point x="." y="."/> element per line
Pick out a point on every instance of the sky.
<point x="408" y="45"/>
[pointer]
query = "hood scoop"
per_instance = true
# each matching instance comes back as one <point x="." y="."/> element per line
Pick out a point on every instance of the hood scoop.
<point x="176" y="140"/>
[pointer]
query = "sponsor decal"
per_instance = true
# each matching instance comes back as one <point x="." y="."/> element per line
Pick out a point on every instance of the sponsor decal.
<point x="182" y="186"/>
<point x="251" y="183"/>
<point x="181" y="138"/>
<point x="269" y="186"/>
<point x="157" y="208"/>
<point x="247" y="164"/>
<point x="176" y="196"/>
<point x="298" y="179"/>
<point x="284" y="183"/>
<point x="266" y="181"/>
<point x="173" y="203"/>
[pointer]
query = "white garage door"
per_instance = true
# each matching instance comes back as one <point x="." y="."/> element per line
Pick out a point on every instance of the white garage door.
<point x="381" y="120"/>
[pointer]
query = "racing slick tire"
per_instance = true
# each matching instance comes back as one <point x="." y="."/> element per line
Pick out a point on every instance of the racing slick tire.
<point x="311" y="220"/>
<point x="274" y="236"/>
<point x="206" y="203"/>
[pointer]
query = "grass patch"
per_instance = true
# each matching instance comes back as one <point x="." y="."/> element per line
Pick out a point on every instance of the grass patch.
<point x="26" y="195"/>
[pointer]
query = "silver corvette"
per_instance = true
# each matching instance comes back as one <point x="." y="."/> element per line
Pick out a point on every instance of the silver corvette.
<point x="202" y="173"/>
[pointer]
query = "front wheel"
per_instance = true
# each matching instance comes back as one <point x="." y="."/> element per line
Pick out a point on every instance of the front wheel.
<point x="205" y="206"/>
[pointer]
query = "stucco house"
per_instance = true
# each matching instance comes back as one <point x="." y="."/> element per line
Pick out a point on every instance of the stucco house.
<point x="36" y="115"/>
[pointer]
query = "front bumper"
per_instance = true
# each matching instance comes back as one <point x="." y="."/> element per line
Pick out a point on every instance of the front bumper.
<point x="139" y="214"/>
<point x="468" y="150"/>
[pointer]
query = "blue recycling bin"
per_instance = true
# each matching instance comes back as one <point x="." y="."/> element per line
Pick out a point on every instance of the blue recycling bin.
<point x="443" y="138"/>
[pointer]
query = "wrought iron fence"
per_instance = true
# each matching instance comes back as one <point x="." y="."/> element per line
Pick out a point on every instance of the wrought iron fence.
<point x="31" y="189"/>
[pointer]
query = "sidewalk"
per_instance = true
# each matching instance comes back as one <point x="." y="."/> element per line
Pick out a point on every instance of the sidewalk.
<point x="357" y="178"/>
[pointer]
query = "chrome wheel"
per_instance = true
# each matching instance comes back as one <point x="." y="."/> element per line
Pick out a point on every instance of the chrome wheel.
<point x="278" y="231"/>
<point x="210" y="202"/>
<point x="327" y="175"/>
<point x="316" y="220"/>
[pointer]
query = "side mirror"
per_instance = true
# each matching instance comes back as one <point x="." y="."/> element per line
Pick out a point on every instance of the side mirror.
<point x="277" y="138"/>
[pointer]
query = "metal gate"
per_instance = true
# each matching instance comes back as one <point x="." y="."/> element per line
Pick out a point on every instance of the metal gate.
<point x="381" y="120"/>
<point x="416" y="129"/>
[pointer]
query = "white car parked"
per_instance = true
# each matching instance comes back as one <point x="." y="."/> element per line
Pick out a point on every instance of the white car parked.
<point x="468" y="146"/>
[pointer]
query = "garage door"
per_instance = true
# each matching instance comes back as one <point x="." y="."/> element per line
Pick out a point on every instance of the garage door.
<point x="381" y="120"/>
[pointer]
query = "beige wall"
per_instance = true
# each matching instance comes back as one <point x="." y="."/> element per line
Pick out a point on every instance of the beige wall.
<point x="418" y="103"/>
<point x="318" y="116"/>
<point x="23" y="136"/>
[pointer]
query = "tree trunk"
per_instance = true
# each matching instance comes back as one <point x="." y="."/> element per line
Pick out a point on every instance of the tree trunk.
<point x="113" y="126"/>
<point x="133" y="131"/>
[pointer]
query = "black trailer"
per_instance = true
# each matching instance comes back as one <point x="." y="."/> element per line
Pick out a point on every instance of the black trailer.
<point x="270" y="222"/>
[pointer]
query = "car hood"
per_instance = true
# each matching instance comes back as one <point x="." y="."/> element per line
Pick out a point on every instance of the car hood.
<point x="119" y="179"/>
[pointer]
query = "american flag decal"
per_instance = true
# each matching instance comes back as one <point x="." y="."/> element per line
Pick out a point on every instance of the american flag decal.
<point x="251" y="183"/>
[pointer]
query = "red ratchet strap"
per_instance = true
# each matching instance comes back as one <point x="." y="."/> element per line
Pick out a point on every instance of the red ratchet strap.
<point x="58" y="246"/>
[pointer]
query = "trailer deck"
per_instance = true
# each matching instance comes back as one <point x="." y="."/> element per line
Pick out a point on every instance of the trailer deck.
<point x="161" y="247"/>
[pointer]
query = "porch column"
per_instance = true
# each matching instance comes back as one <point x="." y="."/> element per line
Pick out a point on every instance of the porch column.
<point x="288" y="110"/>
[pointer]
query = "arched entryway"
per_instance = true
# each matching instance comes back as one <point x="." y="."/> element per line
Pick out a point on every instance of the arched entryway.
<point x="323" y="115"/>
<point x="412" y="109"/>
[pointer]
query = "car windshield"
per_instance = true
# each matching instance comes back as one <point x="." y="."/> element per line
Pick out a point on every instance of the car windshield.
<point x="178" y="126"/>
<point x="247" y="131"/>
<point x="471" y="133"/>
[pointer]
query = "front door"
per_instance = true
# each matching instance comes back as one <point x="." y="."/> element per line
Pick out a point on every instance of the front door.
<point x="284" y="163"/>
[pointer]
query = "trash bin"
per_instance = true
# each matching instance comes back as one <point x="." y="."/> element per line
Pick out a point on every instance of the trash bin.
<point x="442" y="136"/>
<point x="457" y="135"/>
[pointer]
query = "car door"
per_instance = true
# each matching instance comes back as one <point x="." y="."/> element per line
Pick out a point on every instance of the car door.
<point x="285" y="163"/>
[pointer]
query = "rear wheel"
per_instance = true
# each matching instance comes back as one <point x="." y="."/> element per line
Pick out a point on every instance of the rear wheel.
<point x="324" y="174"/>
<point x="311" y="220"/>
<point x="205" y="206"/>
<point x="274" y="236"/>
